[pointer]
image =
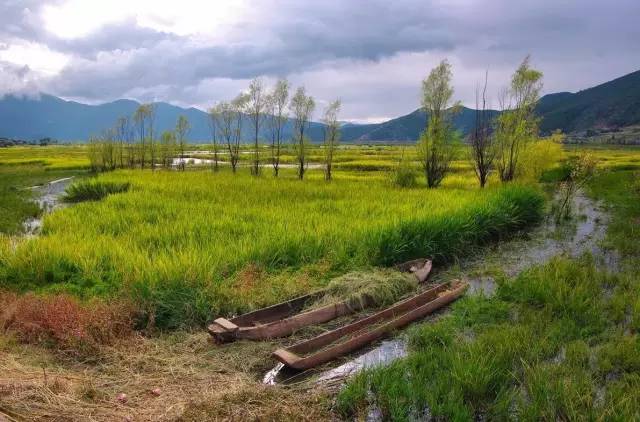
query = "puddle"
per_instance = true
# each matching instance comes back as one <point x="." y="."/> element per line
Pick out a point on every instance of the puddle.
<point x="48" y="199"/>
<point x="271" y="377"/>
<point x="581" y="234"/>
<point x="387" y="351"/>
<point x="195" y="162"/>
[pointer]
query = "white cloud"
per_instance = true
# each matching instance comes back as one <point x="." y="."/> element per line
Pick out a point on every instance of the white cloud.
<point x="39" y="58"/>
<point x="77" y="18"/>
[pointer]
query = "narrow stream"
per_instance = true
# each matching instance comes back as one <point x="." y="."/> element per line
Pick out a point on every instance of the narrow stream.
<point x="581" y="234"/>
<point x="48" y="199"/>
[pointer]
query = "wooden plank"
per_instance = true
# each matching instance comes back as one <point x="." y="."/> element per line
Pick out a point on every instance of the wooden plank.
<point x="226" y="324"/>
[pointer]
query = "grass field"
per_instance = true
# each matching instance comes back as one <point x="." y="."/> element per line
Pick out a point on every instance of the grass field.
<point x="172" y="249"/>
<point x="558" y="342"/>
<point x="189" y="245"/>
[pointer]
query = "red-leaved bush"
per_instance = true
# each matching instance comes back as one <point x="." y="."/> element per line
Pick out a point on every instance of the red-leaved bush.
<point x="63" y="322"/>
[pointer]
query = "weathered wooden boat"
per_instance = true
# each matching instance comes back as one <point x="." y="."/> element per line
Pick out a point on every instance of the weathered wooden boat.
<point x="332" y="344"/>
<point x="285" y="318"/>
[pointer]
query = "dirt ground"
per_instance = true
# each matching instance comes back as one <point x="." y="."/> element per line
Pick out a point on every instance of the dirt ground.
<point x="175" y="377"/>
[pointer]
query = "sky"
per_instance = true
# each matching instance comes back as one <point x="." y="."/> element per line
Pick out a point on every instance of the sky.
<point x="372" y="54"/>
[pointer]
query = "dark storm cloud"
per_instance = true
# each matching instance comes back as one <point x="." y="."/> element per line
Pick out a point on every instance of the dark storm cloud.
<point x="125" y="35"/>
<point x="576" y="43"/>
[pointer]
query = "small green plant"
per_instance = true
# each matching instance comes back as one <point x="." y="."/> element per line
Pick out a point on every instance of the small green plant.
<point x="579" y="172"/>
<point x="94" y="190"/>
<point x="404" y="175"/>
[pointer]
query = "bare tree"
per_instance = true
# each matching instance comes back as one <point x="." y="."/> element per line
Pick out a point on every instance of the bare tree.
<point x="212" y="121"/>
<point x="256" y="105"/>
<point x="144" y="118"/>
<point x="182" y="130"/>
<point x="331" y="135"/>
<point x="125" y="135"/>
<point x="167" y="147"/>
<point x="436" y="145"/>
<point x="228" y="118"/>
<point x="121" y="135"/>
<point x="140" y="119"/>
<point x="108" y="150"/>
<point x="224" y="121"/>
<point x="517" y="125"/>
<point x="151" y="118"/>
<point x="482" y="149"/>
<point x="238" y="105"/>
<point x="302" y="107"/>
<point x="277" y="117"/>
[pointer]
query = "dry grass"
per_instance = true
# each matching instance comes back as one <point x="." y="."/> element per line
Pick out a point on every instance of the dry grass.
<point x="196" y="381"/>
<point x="375" y="288"/>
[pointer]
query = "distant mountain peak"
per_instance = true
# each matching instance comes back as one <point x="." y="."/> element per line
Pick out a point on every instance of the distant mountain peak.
<point x="613" y="104"/>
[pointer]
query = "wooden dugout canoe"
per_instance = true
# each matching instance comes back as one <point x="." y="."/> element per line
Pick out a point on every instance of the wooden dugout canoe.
<point x="284" y="318"/>
<point x="313" y="352"/>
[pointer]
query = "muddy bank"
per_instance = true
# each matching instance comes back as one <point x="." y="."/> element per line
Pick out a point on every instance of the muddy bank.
<point x="583" y="233"/>
<point x="48" y="197"/>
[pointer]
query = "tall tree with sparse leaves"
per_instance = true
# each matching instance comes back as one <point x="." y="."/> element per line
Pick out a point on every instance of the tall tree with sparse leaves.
<point x="331" y="135"/>
<point x="213" y="126"/>
<point x="437" y="143"/>
<point x="302" y="106"/>
<point x="517" y="125"/>
<point x="255" y="106"/>
<point x="182" y="130"/>
<point x="277" y="117"/>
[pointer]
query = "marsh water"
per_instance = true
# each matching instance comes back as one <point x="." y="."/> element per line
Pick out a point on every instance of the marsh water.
<point x="584" y="232"/>
<point x="199" y="162"/>
<point x="48" y="197"/>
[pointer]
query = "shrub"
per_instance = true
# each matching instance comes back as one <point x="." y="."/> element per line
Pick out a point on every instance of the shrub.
<point x="404" y="175"/>
<point x="539" y="157"/>
<point x="94" y="190"/>
<point x="63" y="322"/>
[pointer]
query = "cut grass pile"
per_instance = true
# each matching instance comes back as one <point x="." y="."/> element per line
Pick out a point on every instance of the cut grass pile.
<point x="178" y="243"/>
<point x="363" y="289"/>
<point x="558" y="342"/>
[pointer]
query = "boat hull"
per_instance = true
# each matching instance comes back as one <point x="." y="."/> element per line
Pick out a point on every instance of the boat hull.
<point x="394" y="317"/>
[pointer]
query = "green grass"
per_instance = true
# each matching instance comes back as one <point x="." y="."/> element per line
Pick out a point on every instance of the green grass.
<point x="54" y="157"/>
<point x="558" y="342"/>
<point x="188" y="245"/>
<point x="93" y="190"/>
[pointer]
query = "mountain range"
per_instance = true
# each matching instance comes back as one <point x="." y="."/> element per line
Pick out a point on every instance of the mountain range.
<point x="613" y="104"/>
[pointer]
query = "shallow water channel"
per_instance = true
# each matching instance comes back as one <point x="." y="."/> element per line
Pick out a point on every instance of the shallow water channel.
<point x="48" y="197"/>
<point x="583" y="233"/>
